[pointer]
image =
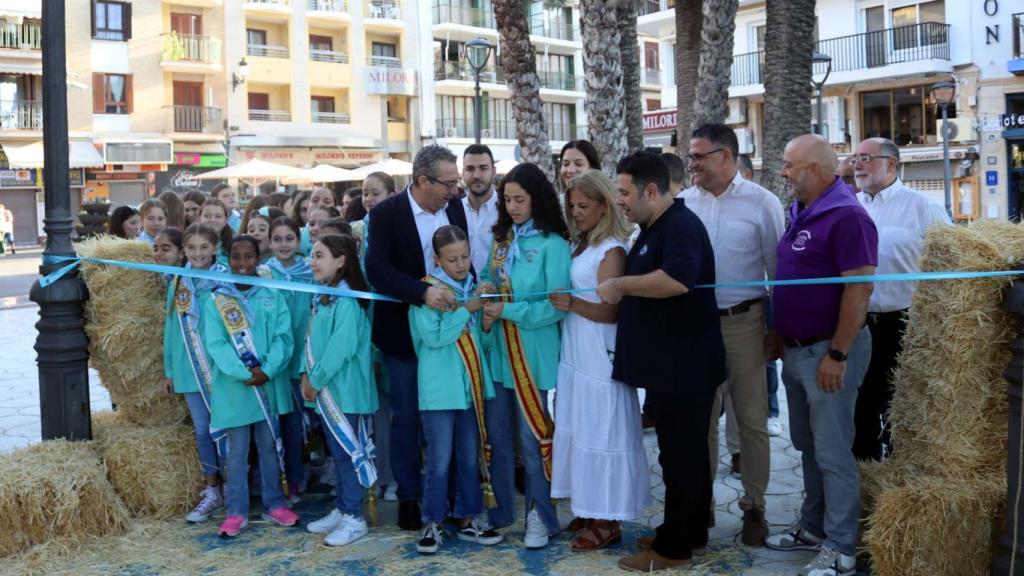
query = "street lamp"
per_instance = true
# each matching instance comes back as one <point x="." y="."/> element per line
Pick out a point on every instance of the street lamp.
<point x="943" y="92"/>
<point x="238" y="78"/>
<point x="478" y="51"/>
<point x="819" y="58"/>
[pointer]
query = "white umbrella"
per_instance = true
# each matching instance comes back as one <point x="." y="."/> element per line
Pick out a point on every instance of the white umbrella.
<point x="391" y="166"/>
<point x="253" y="172"/>
<point x="323" y="173"/>
<point x="505" y="166"/>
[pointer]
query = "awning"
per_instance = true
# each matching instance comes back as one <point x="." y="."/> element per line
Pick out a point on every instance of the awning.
<point x="31" y="69"/>
<point x="81" y="154"/>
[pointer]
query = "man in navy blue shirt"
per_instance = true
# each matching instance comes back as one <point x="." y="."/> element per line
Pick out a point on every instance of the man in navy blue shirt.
<point x="669" y="341"/>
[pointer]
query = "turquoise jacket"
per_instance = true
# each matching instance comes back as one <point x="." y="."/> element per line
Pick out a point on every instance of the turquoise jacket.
<point x="177" y="364"/>
<point x="340" y="341"/>
<point x="444" y="382"/>
<point x="543" y="265"/>
<point x="305" y="242"/>
<point x="299" y="307"/>
<point x="234" y="403"/>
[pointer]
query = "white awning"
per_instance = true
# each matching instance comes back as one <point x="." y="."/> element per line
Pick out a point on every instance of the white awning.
<point x="81" y="154"/>
<point x="21" y="8"/>
<point x="32" y="69"/>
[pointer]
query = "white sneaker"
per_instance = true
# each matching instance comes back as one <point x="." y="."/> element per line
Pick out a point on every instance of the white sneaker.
<point x="830" y="562"/>
<point x="326" y="524"/>
<point x="350" y="530"/>
<point x="391" y="492"/>
<point x="211" y="501"/>
<point x="536" y="533"/>
<point x="430" y="540"/>
<point x="774" y="427"/>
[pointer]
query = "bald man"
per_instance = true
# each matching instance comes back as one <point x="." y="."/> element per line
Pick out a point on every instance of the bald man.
<point x="845" y="171"/>
<point x="825" y="349"/>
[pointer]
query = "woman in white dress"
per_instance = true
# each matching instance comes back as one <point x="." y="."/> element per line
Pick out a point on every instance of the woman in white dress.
<point x="599" y="461"/>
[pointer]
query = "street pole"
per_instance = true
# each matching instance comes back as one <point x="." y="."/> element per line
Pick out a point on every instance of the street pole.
<point x="477" y="108"/>
<point x="947" y="177"/>
<point x="820" y="128"/>
<point x="62" y="345"/>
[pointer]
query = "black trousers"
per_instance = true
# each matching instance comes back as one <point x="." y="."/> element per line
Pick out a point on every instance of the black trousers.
<point x="681" y="423"/>
<point x="872" y="413"/>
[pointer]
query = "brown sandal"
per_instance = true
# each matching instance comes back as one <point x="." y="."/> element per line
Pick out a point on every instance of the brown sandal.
<point x="597" y="535"/>
<point x="577" y="524"/>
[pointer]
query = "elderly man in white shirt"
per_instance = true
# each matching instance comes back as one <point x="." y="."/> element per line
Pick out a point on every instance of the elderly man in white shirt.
<point x="744" y="222"/>
<point x="480" y="202"/>
<point x="902" y="216"/>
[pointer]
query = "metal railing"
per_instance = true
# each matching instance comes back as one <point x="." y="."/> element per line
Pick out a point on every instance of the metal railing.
<point x="746" y="68"/>
<point x="552" y="28"/>
<point x="328" y="56"/>
<point x="462" y="71"/>
<point x="28" y="34"/>
<point x="502" y="129"/>
<point x="270" y="2"/>
<point x="337" y="6"/>
<point x="652" y="76"/>
<point x="332" y="118"/>
<point x="383" y="9"/>
<point x="1018" y="35"/>
<point x="384" y="61"/>
<point x="560" y="81"/>
<point x="651" y="6"/>
<point x="190" y="48"/>
<point x="270" y="115"/>
<point x="448" y="12"/>
<point x="193" y="119"/>
<point x="21" y="115"/>
<point x="267" y="51"/>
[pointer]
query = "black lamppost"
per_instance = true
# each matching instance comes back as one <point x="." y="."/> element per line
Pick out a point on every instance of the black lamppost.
<point x="478" y="51"/>
<point x="62" y="344"/>
<point x="819" y="58"/>
<point x="943" y="92"/>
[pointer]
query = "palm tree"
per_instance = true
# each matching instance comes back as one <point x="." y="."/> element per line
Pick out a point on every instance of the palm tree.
<point x="518" y="59"/>
<point x="711" y="103"/>
<point x="689" y="22"/>
<point x="629" y="48"/>
<point x="789" y="44"/>
<point x="602" y="65"/>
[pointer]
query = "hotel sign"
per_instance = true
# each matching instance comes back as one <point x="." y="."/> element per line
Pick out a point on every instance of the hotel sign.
<point x="1011" y="121"/>
<point x="389" y="81"/>
<point x="663" y="121"/>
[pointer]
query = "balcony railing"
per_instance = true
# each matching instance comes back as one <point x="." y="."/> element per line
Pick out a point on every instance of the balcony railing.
<point x="384" y="61"/>
<point x="267" y="51"/>
<point x="21" y="115"/>
<point x="462" y="71"/>
<point x="1018" y="35"/>
<point x="328" y="56"/>
<point x="652" y="76"/>
<point x="333" y="6"/>
<point x="552" y="28"/>
<point x="270" y="115"/>
<point x="190" y="48"/>
<point x="446" y="12"/>
<point x="560" y="81"/>
<point x="331" y="118"/>
<point x="193" y="119"/>
<point x="384" y="10"/>
<point x="28" y="34"/>
<point x="746" y="68"/>
<point x="270" y="2"/>
<point x="653" y="6"/>
<point x="502" y="129"/>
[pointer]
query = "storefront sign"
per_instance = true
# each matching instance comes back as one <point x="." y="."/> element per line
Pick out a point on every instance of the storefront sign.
<point x="394" y="81"/>
<point x="347" y="157"/>
<point x="181" y="179"/>
<point x="991" y="178"/>
<point x="119" y="176"/>
<point x="662" y="121"/>
<point x="289" y="156"/>
<point x="21" y="179"/>
<point x="200" y="160"/>
<point x="934" y="155"/>
<point x="1011" y="121"/>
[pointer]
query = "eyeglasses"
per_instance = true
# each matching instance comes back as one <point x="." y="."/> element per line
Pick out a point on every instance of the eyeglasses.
<point x="700" y="157"/>
<point x="447" y="185"/>
<point x="866" y="158"/>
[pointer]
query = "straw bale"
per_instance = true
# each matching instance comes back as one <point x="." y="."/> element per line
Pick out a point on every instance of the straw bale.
<point x="154" y="470"/>
<point x="55" y="489"/>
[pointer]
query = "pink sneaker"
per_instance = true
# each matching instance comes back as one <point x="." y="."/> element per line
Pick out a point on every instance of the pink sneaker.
<point x="232" y="525"/>
<point x="282" y="517"/>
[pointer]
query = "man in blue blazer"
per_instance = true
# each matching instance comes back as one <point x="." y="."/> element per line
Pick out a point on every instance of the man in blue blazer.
<point x="399" y="255"/>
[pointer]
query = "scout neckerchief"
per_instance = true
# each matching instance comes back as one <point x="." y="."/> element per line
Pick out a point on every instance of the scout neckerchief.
<point x="525" y="386"/>
<point x="145" y="237"/>
<point x="470" y="354"/>
<point x="233" y="307"/>
<point x="359" y="446"/>
<point x="186" y="304"/>
<point x="297" y="271"/>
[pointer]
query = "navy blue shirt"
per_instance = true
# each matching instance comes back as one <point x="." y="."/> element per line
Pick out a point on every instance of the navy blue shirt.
<point x="671" y="345"/>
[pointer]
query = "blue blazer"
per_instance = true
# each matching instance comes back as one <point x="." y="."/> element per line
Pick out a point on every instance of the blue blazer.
<point x="394" y="266"/>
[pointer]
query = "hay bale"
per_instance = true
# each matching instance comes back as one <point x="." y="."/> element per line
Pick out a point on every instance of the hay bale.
<point x="155" y="470"/>
<point x="124" y="321"/>
<point x="55" y="489"/>
<point x="935" y="526"/>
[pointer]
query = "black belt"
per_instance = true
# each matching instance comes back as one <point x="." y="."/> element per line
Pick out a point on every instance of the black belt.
<point x="741" y="308"/>
<point x="879" y="317"/>
<point x="800" y="343"/>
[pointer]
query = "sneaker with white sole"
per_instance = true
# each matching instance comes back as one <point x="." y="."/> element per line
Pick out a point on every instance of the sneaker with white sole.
<point x="350" y="530"/>
<point x="391" y="492"/>
<point x="327" y="524"/>
<point x="774" y="427"/>
<point x="796" y="538"/>
<point x="431" y="539"/>
<point x="830" y="562"/>
<point x="480" y="531"/>
<point x="536" y="533"/>
<point x="210" y="502"/>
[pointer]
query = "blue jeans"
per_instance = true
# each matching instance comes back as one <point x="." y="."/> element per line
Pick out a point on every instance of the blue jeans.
<point x="821" y="426"/>
<point x="208" y="457"/>
<point x="771" y="372"/>
<point x="405" y="427"/>
<point x="294" y="443"/>
<point x="382" y="438"/>
<point x="237" y="497"/>
<point x="451" y="434"/>
<point x="348" y="492"/>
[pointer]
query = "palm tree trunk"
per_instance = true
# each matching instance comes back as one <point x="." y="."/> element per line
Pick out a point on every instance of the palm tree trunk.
<point x="602" y="66"/>
<point x="518" y="59"/>
<point x="789" y="43"/>
<point x="711" y="105"/>
<point x="629" y="47"/>
<point x="689" y="22"/>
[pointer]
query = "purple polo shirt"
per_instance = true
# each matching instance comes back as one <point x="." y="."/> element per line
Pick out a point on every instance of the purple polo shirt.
<point x="833" y="235"/>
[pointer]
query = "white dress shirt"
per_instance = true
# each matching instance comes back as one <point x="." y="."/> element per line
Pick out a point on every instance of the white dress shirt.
<point x="480" y="235"/>
<point x="426" y="225"/>
<point x="902" y="216"/>
<point x="744" y="224"/>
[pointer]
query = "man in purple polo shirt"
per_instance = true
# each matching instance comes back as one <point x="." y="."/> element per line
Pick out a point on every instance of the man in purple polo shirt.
<point x="826" y="349"/>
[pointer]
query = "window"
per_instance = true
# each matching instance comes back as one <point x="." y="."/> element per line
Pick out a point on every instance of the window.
<point x="256" y="37"/>
<point x="187" y="24"/>
<point x="385" y="50"/>
<point x="916" y="25"/>
<point x="320" y="43"/>
<point x="111" y="20"/>
<point x="904" y="115"/>
<point x="651" y="56"/>
<point x="652" y="104"/>
<point x="259" y="101"/>
<point x="111" y="93"/>
<point x="321" y="104"/>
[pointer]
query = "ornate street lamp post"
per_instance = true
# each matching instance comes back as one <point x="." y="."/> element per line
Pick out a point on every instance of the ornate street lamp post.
<point x="478" y="51"/>
<point x="819" y="58"/>
<point x="943" y="92"/>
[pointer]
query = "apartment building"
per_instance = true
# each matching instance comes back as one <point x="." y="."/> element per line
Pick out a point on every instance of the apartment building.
<point x="448" y="106"/>
<point x="885" y="56"/>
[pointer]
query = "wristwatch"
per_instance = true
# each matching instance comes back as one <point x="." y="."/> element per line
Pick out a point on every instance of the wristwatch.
<point x="837" y="355"/>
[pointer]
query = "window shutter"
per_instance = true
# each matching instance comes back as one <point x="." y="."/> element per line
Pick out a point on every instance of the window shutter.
<point x="128" y="96"/>
<point x="127" y="24"/>
<point x="92" y="17"/>
<point x="99" y="104"/>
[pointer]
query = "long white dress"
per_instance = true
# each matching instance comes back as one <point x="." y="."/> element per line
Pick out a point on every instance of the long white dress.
<point x="599" y="459"/>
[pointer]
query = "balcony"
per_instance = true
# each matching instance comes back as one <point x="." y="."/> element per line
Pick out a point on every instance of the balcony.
<point x="21" y="115"/>
<point x="464" y="16"/>
<point x="746" y="68"/>
<point x="270" y="115"/>
<point x="502" y="129"/>
<point x="24" y="36"/>
<point x="276" y="9"/>
<point x="189" y="53"/>
<point x="1016" y="63"/>
<point x="383" y="10"/>
<point x="462" y="71"/>
<point x="197" y="3"/>
<point x="651" y="77"/>
<point x="331" y="118"/>
<point x="266" y="51"/>
<point x="384" y="61"/>
<point x="328" y="8"/>
<point x="655" y="6"/>
<point x="560" y="81"/>
<point x="199" y="119"/>
<point x="548" y="28"/>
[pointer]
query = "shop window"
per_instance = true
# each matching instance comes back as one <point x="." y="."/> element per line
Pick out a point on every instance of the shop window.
<point x="111" y="93"/>
<point x="907" y="116"/>
<point x="111" y="20"/>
